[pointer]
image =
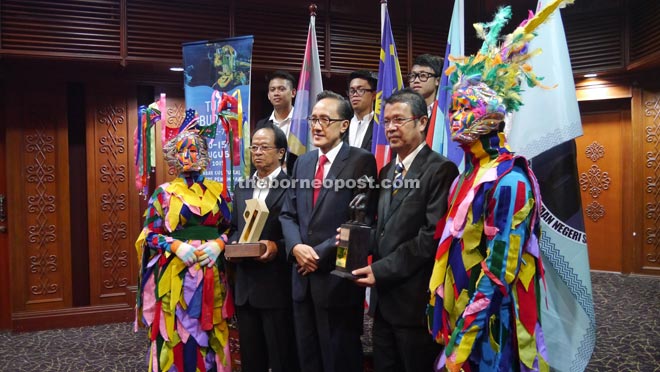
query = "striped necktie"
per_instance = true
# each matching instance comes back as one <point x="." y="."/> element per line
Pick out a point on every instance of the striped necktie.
<point x="397" y="183"/>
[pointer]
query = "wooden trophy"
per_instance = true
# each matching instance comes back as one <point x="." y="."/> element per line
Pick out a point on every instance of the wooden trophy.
<point x="354" y="240"/>
<point x="256" y="213"/>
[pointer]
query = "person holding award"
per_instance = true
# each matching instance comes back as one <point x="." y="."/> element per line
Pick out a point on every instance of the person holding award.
<point x="404" y="245"/>
<point x="263" y="283"/>
<point x="328" y="310"/>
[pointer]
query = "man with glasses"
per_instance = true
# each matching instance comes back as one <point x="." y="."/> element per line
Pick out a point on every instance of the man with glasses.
<point x="328" y="310"/>
<point x="263" y="284"/>
<point x="424" y="78"/>
<point x="362" y="94"/>
<point x="404" y="247"/>
<point x="281" y="92"/>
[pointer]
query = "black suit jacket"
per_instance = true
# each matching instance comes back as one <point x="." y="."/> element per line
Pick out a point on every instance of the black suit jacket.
<point x="368" y="137"/>
<point x="405" y="248"/>
<point x="290" y="157"/>
<point x="262" y="285"/>
<point x="317" y="226"/>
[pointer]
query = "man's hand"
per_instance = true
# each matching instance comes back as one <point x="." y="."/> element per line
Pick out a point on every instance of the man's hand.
<point x="271" y="251"/>
<point x="306" y="258"/>
<point x="368" y="279"/>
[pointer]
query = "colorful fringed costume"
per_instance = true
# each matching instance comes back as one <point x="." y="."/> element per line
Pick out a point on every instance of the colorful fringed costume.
<point x="183" y="296"/>
<point x="485" y="304"/>
<point x="485" y="287"/>
<point x="184" y="308"/>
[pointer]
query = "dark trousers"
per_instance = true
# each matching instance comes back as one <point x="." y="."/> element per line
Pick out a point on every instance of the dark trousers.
<point x="266" y="339"/>
<point x="328" y="339"/>
<point x="399" y="349"/>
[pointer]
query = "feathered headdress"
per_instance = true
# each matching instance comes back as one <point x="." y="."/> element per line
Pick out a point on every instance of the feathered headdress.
<point x="502" y="65"/>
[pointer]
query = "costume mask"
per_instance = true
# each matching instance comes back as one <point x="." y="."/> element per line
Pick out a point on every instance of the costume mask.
<point x="476" y="110"/>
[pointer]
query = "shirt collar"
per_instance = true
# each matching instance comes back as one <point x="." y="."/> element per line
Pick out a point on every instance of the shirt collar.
<point x="271" y="176"/>
<point x="287" y="119"/>
<point x="365" y="119"/>
<point x="332" y="154"/>
<point x="407" y="162"/>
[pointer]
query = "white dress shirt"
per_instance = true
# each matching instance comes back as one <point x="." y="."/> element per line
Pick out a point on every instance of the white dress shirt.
<point x="358" y="129"/>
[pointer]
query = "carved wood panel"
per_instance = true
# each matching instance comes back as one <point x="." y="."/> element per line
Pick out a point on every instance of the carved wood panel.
<point x="109" y="180"/>
<point x="39" y="195"/>
<point x="600" y="173"/>
<point x="650" y="257"/>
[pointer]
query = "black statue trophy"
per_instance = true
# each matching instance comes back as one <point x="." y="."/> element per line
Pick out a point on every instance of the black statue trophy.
<point x="354" y="237"/>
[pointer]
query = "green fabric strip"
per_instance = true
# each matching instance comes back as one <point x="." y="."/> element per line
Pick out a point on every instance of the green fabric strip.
<point x="196" y="232"/>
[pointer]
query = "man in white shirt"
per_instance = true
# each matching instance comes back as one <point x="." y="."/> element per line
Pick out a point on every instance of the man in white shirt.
<point x="362" y="95"/>
<point x="281" y="92"/>
<point x="424" y="78"/>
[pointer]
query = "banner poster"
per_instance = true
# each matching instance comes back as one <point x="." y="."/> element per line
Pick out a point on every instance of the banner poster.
<point x="212" y="68"/>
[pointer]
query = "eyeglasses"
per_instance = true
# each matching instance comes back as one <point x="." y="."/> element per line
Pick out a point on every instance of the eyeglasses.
<point x="423" y="76"/>
<point x="358" y="92"/>
<point x="324" y="121"/>
<point x="397" y="122"/>
<point x="255" y="148"/>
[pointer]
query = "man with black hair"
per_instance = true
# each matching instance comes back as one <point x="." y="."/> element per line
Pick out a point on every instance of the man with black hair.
<point x="263" y="284"/>
<point x="424" y="78"/>
<point x="404" y="247"/>
<point x="328" y="310"/>
<point x="362" y="95"/>
<point x="281" y="92"/>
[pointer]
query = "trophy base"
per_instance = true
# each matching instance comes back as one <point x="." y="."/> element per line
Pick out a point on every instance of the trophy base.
<point x="345" y="274"/>
<point x="245" y="250"/>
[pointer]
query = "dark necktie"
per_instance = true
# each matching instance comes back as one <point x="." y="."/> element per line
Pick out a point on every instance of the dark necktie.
<point x="318" y="178"/>
<point x="397" y="183"/>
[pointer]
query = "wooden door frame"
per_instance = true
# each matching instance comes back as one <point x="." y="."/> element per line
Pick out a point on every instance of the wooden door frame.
<point x="5" y="276"/>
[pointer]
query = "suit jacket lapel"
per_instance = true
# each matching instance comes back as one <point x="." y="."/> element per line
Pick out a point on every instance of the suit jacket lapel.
<point x="306" y="172"/>
<point x="367" y="136"/>
<point x="275" y="193"/>
<point x="413" y="173"/>
<point x="335" y="168"/>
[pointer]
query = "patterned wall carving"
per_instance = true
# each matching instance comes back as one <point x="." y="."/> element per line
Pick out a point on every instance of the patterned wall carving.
<point x="41" y="230"/>
<point x="113" y="176"/>
<point x="652" y="179"/>
<point x="595" y="181"/>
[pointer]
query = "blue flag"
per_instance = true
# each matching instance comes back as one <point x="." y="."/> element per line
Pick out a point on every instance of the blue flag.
<point x="389" y="81"/>
<point x="439" y="136"/>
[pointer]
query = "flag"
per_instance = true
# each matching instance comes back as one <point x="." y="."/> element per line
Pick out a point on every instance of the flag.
<point x="309" y="85"/>
<point x="543" y="131"/>
<point x="438" y="136"/>
<point x="389" y="81"/>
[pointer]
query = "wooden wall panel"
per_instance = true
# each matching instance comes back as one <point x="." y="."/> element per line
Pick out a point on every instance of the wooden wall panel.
<point x="600" y="170"/>
<point x="649" y="259"/>
<point x="108" y="179"/>
<point x="38" y="193"/>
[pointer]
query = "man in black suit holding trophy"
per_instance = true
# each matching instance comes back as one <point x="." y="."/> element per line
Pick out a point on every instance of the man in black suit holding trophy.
<point x="263" y="284"/>
<point x="404" y="247"/>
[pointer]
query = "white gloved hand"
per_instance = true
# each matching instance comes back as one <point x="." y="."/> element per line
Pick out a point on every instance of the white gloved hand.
<point x="211" y="250"/>
<point x="186" y="253"/>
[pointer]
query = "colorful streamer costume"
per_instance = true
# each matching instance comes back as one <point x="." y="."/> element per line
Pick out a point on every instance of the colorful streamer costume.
<point x="185" y="307"/>
<point x="485" y="287"/>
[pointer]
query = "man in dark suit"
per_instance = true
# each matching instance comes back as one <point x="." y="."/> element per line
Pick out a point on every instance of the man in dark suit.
<point x="404" y="248"/>
<point x="263" y="284"/>
<point x="281" y="92"/>
<point x="328" y="311"/>
<point x="362" y="94"/>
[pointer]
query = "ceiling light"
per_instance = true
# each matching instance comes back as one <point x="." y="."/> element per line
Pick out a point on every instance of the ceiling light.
<point x="590" y="75"/>
<point x="176" y="69"/>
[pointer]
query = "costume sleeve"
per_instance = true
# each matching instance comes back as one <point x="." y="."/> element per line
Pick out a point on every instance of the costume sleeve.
<point x="413" y="254"/>
<point x="506" y="229"/>
<point x="154" y="233"/>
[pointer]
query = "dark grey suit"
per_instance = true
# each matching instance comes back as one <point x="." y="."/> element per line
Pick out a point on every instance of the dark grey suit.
<point x="328" y="310"/>
<point x="262" y="293"/>
<point x="403" y="261"/>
